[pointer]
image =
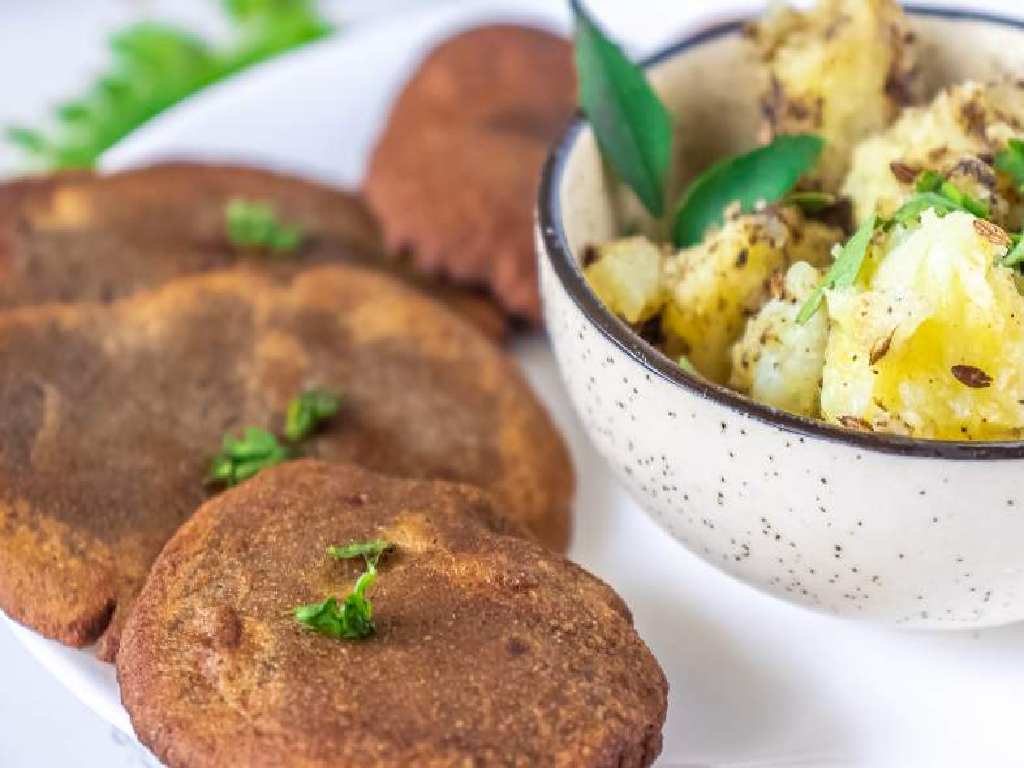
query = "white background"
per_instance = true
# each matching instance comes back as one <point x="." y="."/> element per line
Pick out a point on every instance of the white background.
<point x="50" y="49"/>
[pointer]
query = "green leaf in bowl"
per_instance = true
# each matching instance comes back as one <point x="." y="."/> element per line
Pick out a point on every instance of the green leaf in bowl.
<point x="632" y="126"/>
<point x="763" y="174"/>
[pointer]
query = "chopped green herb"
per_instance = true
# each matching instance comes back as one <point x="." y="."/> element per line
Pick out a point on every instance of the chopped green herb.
<point x="764" y="175"/>
<point x="243" y="458"/>
<point x="353" y="619"/>
<point x="307" y="411"/>
<point x="368" y="550"/>
<point x="684" y="363"/>
<point x="1010" y="160"/>
<point x="154" y="66"/>
<point x="1015" y="256"/>
<point x="844" y="271"/>
<point x="934" y="191"/>
<point x="632" y="126"/>
<point x="256" y="225"/>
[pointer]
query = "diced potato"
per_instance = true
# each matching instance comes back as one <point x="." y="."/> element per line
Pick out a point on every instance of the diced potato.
<point x="779" y="361"/>
<point x="958" y="135"/>
<point x="627" y="277"/>
<point x="932" y="344"/>
<point x="715" y="286"/>
<point x="842" y="70"/>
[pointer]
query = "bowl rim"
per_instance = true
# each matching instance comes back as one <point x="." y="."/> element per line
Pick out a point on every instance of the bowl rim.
<point x="570" y="274"/>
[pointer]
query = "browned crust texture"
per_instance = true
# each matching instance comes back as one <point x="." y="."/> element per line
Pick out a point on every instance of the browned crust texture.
<point x="112" y="412"/>
<point x="88" y="237"/>
<point x="489" y="650"/>
<point x="455" y="173"/>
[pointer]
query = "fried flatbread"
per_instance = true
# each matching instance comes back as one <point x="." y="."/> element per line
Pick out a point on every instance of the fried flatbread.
<point x="454" y="176"/>
<point x="488" y="650"/>
<point x="112" y="413"/>
<point x="87" y="237"/>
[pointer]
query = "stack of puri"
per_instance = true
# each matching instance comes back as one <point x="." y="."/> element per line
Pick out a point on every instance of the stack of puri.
<point x="135" y="333"/>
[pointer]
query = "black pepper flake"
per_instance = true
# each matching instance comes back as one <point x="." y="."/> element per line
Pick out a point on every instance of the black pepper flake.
<point x="972" y="377"/>
<point x="590" y="255"/>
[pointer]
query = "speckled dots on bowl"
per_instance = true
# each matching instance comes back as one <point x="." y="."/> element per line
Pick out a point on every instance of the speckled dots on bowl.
<point x="910" y="532"/>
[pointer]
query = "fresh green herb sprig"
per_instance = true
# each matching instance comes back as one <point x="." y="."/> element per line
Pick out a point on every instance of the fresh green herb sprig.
<point x="242" y="458"/>
<point x="154" y="66"/>
<point x="352" y="619"/>
<point x="252" y="224"/>
<point x="370" y="551"/>
<point x="932" y="191"/>
<point x="844" y="269"/>
<point x="634" y="132"/>
<point x="307" y="411"/>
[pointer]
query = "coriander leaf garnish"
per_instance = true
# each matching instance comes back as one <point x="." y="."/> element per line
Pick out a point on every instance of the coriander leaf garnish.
<point x="154" y="66"/>
<point x="242" y="458"/>
<point x="844" y="270"/>
<point x="353" y="619"/>
<point x="936" y="192"/>
<point x="253" y="224"/>
<point x="632" y="126"/>
<point x="368" y="550"/>
<point x="307" y="411"/>
<point x="1016" y="254"/>
<point x="764" y="175"/>
<point x="1010" y="160"/>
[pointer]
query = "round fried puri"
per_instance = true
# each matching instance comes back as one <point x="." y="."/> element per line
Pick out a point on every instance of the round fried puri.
<point x="454" y="176"/>
<point x="488" y="649"/>
<point x="88" y="237"/>
<point x="112" y="414"/>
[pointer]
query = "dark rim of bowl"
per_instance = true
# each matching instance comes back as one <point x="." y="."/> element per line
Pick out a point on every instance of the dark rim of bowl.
<point x="571" y="275"/>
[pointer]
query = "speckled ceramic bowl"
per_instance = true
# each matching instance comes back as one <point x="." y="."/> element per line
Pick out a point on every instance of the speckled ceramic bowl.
<point x="925" y="533"/>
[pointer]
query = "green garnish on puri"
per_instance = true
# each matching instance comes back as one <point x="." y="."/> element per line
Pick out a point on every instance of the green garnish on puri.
<point x="242" y="458"/>
<point x="307" y="411"/>
<point x="352" y="619"/>
<point x="253" y="224"/>
<point x="764" y="174"/>
<point x="154" y="66"/>
<point x="368" y="550"/>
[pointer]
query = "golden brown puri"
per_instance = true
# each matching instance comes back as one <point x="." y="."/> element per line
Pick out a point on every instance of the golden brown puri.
<point x="112" y="412"/>
<point x="86" y="237"/>
<point x="488" y="650"/>
<point x="454" y="176"/>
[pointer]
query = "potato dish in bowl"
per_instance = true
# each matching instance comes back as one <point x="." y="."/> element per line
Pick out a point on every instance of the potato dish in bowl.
<point x="915" y="199"/>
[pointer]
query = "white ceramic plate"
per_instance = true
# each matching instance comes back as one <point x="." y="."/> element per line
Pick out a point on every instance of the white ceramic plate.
<point x="754" y="682"/>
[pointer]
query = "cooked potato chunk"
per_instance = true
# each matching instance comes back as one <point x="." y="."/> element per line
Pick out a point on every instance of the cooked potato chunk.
<point x="958" y="135"/>
<point x="931" y="344"/>
<point x="627" y="277"/>
<point x="778" y="361"/>
<point x="715" y="286"/>
<point x="842" y="70"/>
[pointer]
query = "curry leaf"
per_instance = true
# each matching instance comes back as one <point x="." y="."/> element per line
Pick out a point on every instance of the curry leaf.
<point x="764" y="175"/>
<point x="632" y="126"/>
<point x="844" y="270"/>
